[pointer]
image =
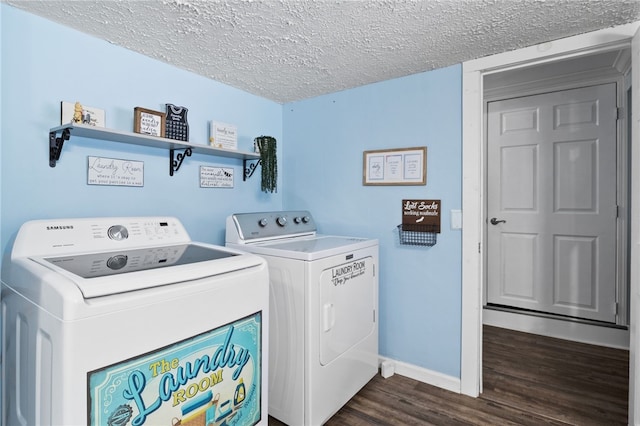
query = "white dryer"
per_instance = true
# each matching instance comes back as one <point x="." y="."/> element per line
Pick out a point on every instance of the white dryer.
<point x="323" y="336"/>
<point x="126" y="321"/>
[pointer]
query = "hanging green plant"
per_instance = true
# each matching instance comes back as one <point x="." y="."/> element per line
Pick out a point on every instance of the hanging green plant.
<point x="267" y="148"/>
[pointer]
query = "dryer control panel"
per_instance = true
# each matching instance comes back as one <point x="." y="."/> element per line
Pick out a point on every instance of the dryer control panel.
<point x="252" y="227"/>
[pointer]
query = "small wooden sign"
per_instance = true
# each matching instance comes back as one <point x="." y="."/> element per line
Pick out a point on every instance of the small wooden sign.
<point x="149" y="122"/>
<point x="421" y="215"/>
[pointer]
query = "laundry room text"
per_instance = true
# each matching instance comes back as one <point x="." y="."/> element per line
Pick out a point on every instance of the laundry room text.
<point x="340" y="275"/>
<point x="215" y="375"/>
<point x="114" y="172"/>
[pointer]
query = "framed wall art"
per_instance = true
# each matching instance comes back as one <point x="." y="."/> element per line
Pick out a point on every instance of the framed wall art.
<point x="149" y="122"/>
<point x="400" y="166"/>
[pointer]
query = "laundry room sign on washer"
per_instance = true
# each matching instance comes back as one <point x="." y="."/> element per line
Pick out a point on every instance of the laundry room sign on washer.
<point x="207" y="379"/>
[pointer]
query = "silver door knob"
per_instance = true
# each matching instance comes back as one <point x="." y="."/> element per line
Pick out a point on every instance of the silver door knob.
<point x="495" y="221"/>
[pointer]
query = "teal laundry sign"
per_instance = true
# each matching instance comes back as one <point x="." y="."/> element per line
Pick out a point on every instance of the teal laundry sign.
<point x="210" y="379"/>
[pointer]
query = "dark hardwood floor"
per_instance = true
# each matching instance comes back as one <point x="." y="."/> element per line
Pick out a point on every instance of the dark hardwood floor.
<point x="528" y="380"/>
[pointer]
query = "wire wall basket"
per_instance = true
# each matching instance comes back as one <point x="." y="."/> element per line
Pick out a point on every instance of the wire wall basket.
<point x="418" y="235"/>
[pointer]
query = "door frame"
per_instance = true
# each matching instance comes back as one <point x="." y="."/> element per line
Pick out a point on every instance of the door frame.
<point x="473" y="183"/>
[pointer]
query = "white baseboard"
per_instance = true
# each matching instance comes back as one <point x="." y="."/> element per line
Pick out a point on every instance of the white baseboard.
<point x="568" y="330"/>
<point x="424" y="375"/>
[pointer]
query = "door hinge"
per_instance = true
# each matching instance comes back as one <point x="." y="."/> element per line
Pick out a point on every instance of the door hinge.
<point x="479" y="248"/>
<point x="616" y="306"/>
<point x="620" y="113"/>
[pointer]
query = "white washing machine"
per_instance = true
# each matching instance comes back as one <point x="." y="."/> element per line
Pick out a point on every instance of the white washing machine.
<point x="323" y="337"/>
<point x="126" y="321"/>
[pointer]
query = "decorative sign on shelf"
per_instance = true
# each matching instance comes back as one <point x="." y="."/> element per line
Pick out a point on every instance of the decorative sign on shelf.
<point x="216" y="177"/>
<point x="114" y="172"/>
<point x="421" y="215"/>
<point x="77" y="113"/>
<point x="405" y="166"/>
<point x="223" y="135"/>
<point x="177" y="126"/>
<point x="148" y="122"/>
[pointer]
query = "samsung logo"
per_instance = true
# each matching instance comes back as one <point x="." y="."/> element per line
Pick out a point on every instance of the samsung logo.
<point x="59" y="227"/>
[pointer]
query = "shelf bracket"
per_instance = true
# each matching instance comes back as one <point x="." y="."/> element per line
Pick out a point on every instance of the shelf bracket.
<point x="174" y="164"/>
<point x="55" y="145"/>
<point x="250" y="169"/>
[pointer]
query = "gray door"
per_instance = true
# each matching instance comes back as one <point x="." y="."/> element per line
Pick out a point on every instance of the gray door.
<point x="551" y="176"/>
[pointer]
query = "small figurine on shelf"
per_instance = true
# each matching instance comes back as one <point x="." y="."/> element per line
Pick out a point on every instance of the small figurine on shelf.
<point x="77" y="113"/>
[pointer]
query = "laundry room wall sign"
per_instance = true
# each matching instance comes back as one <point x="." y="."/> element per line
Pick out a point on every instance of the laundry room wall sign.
<point x="114" y="172"/>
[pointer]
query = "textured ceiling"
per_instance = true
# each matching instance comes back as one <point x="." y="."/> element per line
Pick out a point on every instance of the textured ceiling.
<point x="287" y="50"/>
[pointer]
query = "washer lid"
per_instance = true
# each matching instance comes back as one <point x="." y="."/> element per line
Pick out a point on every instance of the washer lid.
<point x="92" y="265"/>
<point x="106" y="273"/>
<point x="310" y="248"/>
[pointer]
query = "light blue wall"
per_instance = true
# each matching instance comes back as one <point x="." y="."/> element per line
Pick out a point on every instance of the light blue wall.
<point x="420" y="288"/>
<point x="46" y="63"/>
<point x="43" y="63"/>
<point x="320" y="144"/>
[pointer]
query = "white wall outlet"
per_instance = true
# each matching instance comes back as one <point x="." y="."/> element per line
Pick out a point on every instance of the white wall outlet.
<point x="456" y="219"/>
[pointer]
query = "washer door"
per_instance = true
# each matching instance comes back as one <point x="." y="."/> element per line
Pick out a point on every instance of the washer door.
<point x="347" y="307"/>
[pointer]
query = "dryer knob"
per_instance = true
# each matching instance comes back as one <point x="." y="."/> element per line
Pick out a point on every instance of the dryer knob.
<point x="297" y="219"/>
<point x="263" y="222"/>
<point x="282" y="221"/>
<point x="306" y="219"/>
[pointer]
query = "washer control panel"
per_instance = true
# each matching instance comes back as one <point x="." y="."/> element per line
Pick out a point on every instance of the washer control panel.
<point x="40" y="237"/>
<point x="243" y="227"/>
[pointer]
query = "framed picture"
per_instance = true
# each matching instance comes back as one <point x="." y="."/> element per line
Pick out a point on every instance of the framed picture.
<point x="149" y="122"/>
<point x="403" y="166"/>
